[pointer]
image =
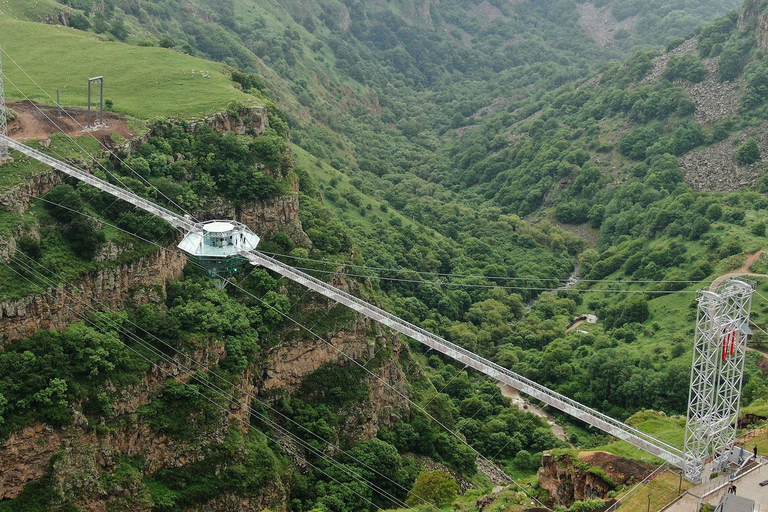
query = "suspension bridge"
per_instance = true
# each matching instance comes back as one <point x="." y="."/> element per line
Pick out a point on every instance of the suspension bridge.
<point x="220" y="246"/>
<point x="618" y="429"/>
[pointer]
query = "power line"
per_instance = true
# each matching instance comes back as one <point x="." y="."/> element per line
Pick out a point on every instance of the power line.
<point x="231" y="399"/>
<point x="344" y="355"/>
<point x="478" y="276"/>
<point x="523" y="288"/>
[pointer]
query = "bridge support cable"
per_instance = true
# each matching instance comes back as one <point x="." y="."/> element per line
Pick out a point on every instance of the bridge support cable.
<point x="590" y="416"/>
<point x="4" y="156"/>
<point x="175" y="219"/>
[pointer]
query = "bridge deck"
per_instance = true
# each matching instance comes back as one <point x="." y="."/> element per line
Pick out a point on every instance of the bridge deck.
<point x="590" y="416"/>
<point x="176" y="220"/>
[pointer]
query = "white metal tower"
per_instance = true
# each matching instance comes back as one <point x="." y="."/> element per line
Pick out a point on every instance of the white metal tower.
<point x="4" y="156"/>
<point x="716" y="376"/>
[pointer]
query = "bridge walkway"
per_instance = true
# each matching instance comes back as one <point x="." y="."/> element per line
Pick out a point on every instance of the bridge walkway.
<point x="173" y="218"/>
<point x="590" y="416"/>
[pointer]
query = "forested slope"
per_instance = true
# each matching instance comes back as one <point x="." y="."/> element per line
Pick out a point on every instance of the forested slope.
<point x="454" y="162"/>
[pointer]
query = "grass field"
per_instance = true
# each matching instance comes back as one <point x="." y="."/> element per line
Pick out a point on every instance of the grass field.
<point x="143" y="82"/>
<point x="662" y="490"/>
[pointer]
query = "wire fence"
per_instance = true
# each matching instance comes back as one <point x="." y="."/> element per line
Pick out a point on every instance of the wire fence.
<point x="632" y="491"/>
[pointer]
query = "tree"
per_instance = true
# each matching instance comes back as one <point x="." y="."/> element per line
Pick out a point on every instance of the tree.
<point x="748" y="153"/>
<point x="84" y="238"/>
<point x="436" y="487"/>
<point x="79" y="21"/>
<point x="63" y="203"/>
<point x="118" y="29"/>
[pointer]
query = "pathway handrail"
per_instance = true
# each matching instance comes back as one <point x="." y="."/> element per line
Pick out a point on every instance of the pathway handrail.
<point x="175" y="219"/>
<point x="586" y="414"/>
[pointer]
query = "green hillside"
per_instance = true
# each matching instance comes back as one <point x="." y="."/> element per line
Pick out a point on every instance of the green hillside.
<point x="456" y="162"/>
<point x="142" y="82"/>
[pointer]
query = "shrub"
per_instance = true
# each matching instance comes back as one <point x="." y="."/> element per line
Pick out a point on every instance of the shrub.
<point x="437" y="487"/>
<point x="79" y="21"/>
<point x="748" y="153"/>
<point x="685" y="67"/>
<point x="587" y="506"/>
<point x="84" y="238"/>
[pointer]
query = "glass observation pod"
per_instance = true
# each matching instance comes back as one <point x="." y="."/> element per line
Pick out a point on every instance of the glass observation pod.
<point x="216" y="244"/>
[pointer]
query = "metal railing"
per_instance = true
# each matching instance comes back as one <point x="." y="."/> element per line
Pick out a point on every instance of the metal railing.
<point x="175" y="219"/>
<point x="637" y="438"/>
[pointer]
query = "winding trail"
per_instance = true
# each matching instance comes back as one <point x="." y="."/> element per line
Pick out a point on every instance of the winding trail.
<point x="741" y="271"/>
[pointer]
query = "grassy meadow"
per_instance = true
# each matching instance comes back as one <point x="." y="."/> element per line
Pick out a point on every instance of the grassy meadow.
<point x="143" y="82"/>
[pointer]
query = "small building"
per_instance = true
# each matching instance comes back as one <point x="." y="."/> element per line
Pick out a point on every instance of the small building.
<point x="732" y="503"/>
<point x="216" y="245"/>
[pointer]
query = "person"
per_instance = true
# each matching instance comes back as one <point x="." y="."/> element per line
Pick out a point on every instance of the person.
<point x="755" y="452"/>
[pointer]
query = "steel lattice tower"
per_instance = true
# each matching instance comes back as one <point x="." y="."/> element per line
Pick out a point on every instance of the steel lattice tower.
<point x="4" y="156"/>
<point x="716" y="376"/>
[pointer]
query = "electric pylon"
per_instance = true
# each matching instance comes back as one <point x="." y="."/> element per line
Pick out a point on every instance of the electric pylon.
<point x="719" y="353"/>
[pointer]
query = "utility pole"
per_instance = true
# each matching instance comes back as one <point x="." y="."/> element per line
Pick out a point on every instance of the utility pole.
<point x="4" y="156"/>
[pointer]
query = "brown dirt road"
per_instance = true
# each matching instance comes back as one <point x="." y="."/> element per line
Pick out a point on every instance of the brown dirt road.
<point x="38" y="122"/>
<point x="742" y="271"/>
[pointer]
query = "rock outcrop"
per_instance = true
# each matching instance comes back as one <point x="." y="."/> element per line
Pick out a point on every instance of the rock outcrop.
<point x="17" y="198"/>
<point x="247" y="120"/>
<point x="266" y="217"/>
<point x="26" y="454"/>
<point x="287" y="365"/>
<point x="591" y="475"/>
<point x="755" y="10"/>
<point x="137" y="282"/>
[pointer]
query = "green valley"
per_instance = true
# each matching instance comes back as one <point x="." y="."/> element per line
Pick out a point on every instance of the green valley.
<point x="486" y="170"/>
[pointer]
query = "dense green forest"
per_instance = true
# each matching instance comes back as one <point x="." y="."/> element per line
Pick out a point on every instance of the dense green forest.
<point x="457" y="163"/>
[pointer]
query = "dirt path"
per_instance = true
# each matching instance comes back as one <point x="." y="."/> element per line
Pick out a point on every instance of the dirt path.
<point x="514" y="397"/>
<point x="742" y="271"/>
<point x="38" y="122"/>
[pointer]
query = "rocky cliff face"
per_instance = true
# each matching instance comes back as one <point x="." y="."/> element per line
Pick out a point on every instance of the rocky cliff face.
<point x="253" y="120"/>
<point x="81" y="457"/>
<point x="248" y="120"/>
<point x="83" y="454"/>
<point x="138" y="282"/>
<point x="17" y="198"/>
<point x="287" y="364"/>
<point x="265" y="218"/>
<point x="590" y="475"/>
<point x="754" y="12"/>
